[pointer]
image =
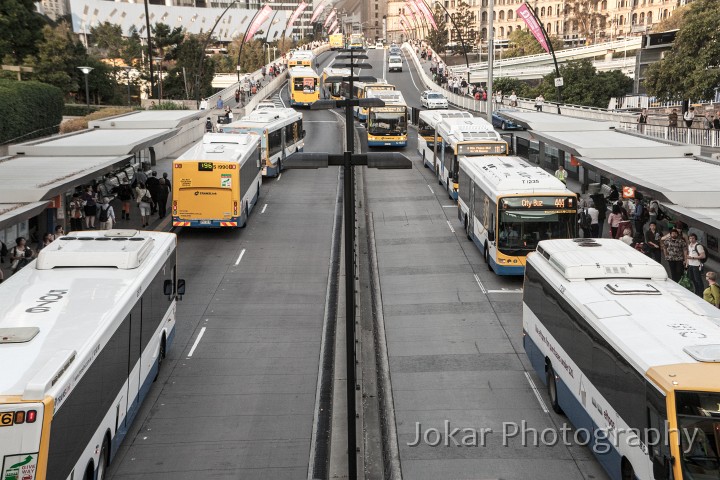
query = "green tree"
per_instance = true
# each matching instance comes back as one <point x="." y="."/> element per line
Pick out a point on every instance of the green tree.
<point x="587" y="18"/>
<point x="132" y="50"/>
<point x="584" y="85"/>
<point x="21" y="26"/>
<point x="508" y="84"/>
<point x="438" y="38"/>
<point x="252" y="55"/>
<point x="166" y="40"/>
<point x="522" y="42"/>
<point x="673" y="22"/>
<point x="59" y="55"/>
<point x="690" y="69"/>
<point x="107" y="40"/>
<point x="180" y="80"/>
<point x="465" y="22"/>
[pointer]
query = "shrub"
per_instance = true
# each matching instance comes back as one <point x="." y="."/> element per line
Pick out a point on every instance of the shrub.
<point x="28" y="110"/>
<point x="73" y="110"/>
<point x="165" y="105"/>
<point x="76" y="124"/>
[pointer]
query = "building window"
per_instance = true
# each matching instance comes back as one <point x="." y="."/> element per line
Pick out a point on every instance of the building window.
<point x="510" y="15"/>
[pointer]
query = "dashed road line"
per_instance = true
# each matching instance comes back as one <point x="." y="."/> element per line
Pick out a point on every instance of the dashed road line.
<point x="237" y="262"/>
<point x="537" y="393"/>
<point x="431" y="190"/>
<point x="264" y="208"/>
<point x="451" y="227"/>
<point x="482" y="287"/>
<point x="507" y="290"/>
<point x="197" y="340"/>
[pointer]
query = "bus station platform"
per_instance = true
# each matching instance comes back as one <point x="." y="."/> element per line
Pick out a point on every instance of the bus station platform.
<point x="598" y="154"/>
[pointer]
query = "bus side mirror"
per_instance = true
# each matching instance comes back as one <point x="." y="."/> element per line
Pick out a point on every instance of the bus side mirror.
<point x="180" y="288"/>
<point x="168" y="288"/>
<point x="491" y="235"/>
<point x="303" y="133"/>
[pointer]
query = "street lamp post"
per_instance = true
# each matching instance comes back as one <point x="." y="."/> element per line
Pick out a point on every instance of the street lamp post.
<point x="86" y="71"/>
<point x="127" y="73"/>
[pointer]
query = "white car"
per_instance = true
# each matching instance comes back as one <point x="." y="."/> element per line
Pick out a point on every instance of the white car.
<point x="431" y="99"/>
<point x="394" y="63"/>
<point x="379" y="45"/>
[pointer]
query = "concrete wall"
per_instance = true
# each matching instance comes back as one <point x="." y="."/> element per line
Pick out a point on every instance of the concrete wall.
<point x="188" y="134"/>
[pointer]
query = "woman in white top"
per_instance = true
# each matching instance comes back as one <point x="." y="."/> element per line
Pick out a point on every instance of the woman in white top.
<point x="144" y="201"/>
<point x="627" y="236"/>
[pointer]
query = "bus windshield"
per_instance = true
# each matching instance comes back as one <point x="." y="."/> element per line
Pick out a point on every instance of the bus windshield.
<point x="521" y="230"/>
<point x="387" y="123"/>
<point x="698" y="416"/>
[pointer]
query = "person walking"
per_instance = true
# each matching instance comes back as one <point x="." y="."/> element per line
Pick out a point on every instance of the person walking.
<point x="125" y="194"/>
<point x="638" y="216"/>
<point x="561" y="174"/>
<point x="712" y="293"/>
<point x="144" y="202"/>
<point x="694" y="261"/>
<point x="76" y="213"/>
<point x="167" y="181"/>
<point x="513" y="99"/>
<point x="539" y="100"/>
<point x="203" y="104"/>
<point x="153" y="185"/>
<point x="106" y="215"/>
<point x="675" y="251"/>
<point x="162" y="198"/>
<point x="594" y="220"/>
<point x="90" y="207"/>
<point x="652" y="240"/>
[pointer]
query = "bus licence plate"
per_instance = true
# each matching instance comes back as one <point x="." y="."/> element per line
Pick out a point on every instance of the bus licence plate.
<point x="7" y="419"/>
<point x="205" y="222"/>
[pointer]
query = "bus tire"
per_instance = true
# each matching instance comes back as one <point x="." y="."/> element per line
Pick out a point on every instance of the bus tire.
<point x="279" y="167"/>
<point x="552" y="389"/>
<point x="103" y="460"/>
<point x="448" y="189"/>
<point x="161" y="356"/>
<point x="486" y="256"/>
<point x="467" y="228"/>
<point x="626" y="470"/>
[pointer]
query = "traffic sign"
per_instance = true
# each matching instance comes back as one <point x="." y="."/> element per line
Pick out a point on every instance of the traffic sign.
<point x="559" y="82"/>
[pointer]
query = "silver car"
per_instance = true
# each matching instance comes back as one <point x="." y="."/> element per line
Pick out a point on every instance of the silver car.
<point x="431" y="99"/>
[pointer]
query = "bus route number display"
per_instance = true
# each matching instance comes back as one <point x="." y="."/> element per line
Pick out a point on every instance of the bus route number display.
<point x="205" y="166"/>
<point x="539" y="202"/>
<point x="482" y="149"/>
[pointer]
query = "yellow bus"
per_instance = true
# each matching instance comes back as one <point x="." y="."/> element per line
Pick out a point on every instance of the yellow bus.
<point x="356" y="41"/>
<point x="301" y="58"/>
<point x="334" y="90"/>
<point x="216" y="183"/>
<point x="303" y="86"/>
<point x="337" y="41"/>
<point x="281" y="134"/>
<point x="387" y="126"/>
<point x="360" y="90"/>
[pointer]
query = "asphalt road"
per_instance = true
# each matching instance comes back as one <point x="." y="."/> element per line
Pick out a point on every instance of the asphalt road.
<point x="242" y="405"/>
<point x="454" y="335"/>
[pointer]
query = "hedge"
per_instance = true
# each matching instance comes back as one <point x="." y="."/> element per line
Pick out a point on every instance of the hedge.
<point x="77" y="124"/>
<point x="28" y="110"/>
<point x="72" y="110"/>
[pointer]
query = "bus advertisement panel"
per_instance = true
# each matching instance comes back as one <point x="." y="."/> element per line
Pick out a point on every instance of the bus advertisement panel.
<point x="507" y="206"/>
<point x="217" y="183"/>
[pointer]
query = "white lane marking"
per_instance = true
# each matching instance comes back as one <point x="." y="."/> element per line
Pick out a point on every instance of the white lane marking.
<point x="278" y="179"/>
<point x="448" y="206"/>
<point x="384" y="65"/>
<point x="451" y="227"/>
<point x="412" y="77"/>
<point x="237" y="262"/>
<point x="507" y="290"/>
<point x="197" y="340"/>
<point x="431" y="190"/>
<point x="537" y="393"/>
<point x="482" y="287"/>
<point x="282" y="89"/>
<point x="264" y="208"/>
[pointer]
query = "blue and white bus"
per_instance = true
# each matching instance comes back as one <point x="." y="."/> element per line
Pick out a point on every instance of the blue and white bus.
<point x="628" y="355"/>
<point x="427" y="136"/>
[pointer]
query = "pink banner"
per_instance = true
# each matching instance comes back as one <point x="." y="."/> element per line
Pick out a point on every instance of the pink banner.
<point x="329" y="18"/>
<point x="414" y="10"/>
<point x="263" y="15"/>
<point x="402" y="24"/>
<point x="526" y="14"/>
<point x="333" y="27"/>
<point x="320" y="8"/>
<point x="298" y="11"/>
<point x="426" y="11"/>
<point x="406" y="21"/>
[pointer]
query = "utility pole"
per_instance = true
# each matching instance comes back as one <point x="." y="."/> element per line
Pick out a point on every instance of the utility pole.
<point x="348" y="160"/>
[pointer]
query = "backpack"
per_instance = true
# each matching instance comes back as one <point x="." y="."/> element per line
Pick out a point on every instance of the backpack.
<point x="644" y="214"/>
<point x="585" y="219"/>
<point x="104" y="214"/>
<point x="703" y="250"/>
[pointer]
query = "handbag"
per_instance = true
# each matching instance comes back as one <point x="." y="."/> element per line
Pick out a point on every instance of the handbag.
<point x="685" y="282"/>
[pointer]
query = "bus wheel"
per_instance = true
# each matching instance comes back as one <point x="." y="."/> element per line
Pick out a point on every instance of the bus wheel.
<point x="89" y="472"/>
<point x="486" y="256"/>
<point x="448" y="189"/>
<point x="161" y="356"/>
<point x="279" y="166"/>
<point x="552" y="389"/>
<point x="626" y="469"/>
<point x="103" y="461"/>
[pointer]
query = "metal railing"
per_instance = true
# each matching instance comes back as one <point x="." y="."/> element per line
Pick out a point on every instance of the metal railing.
<point x="690" y="136"/>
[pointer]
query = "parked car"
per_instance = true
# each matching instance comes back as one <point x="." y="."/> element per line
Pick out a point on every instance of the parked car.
<point x="503" y="123"/>
<point x="394" y="63"/>
<point x="431" y="99"/>
<point x="379" y="45"/>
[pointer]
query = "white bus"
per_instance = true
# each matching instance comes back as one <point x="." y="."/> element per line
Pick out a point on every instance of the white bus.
<point x="281" y="134"/>
<point x="628" y="355"/>
<point x="463" y="136"/>
<point x="507" y="206"/>
<point x="334" y="90"/>
<point x="427" y="136"/>
<point x="387" y="126"/>
<point x="216" y="183"/>
<point x="85" y="328"/>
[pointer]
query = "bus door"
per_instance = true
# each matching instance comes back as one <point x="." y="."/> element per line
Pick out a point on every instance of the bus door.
<point x="283" y="143"/>
<point x="510" y="139"/>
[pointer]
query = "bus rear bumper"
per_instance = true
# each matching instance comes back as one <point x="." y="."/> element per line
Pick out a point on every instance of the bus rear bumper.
<point x="232" y="222"/>
<point x="391" y="143"/>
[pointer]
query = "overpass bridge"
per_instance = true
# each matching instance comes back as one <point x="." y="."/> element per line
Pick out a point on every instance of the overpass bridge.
<point x="626" y="65"/>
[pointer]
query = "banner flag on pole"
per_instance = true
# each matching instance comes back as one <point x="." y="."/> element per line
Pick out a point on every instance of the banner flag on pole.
<point x="333" y="27"/>
<point x="426" y="11"/>
<point x="533" y="25"/>
<point x="318" y="11"/>
<point x="259" y="20"/>
<point x="329" y="18"/>
<point x="405" y="20"/>
<point x="298" y="11"/>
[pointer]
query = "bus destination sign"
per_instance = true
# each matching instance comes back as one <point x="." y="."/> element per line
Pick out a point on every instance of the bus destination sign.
<point x="538" y="203"/>
<point x="471" y="149"/>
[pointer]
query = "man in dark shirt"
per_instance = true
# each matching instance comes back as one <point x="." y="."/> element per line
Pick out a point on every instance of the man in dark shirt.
<point x="652" y="240"/>
<point x="153" y="186"/>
